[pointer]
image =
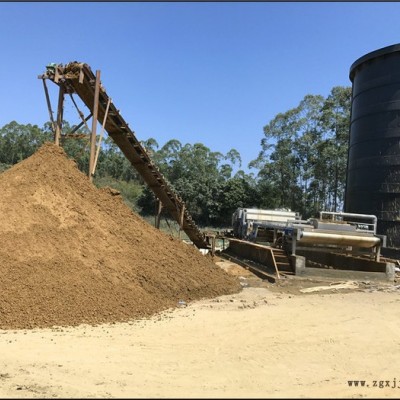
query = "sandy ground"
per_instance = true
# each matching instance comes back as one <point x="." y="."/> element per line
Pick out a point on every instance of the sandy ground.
<point x="268" y="341"/>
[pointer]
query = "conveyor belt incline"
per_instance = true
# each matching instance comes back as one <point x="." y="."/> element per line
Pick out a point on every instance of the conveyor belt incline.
<point x="78" y="78"/>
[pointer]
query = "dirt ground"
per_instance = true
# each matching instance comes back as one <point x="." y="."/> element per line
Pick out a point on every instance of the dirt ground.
<point x="268" y="341"/>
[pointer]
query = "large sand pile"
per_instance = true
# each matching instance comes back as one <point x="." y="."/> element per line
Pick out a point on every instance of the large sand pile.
<point x="71" y="253"/>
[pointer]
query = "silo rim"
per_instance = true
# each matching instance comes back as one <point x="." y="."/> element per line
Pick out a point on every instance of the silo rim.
<point x="373" y="54"/>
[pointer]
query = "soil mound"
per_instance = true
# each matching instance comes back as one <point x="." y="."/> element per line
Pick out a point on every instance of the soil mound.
<point x="71" y="253"/>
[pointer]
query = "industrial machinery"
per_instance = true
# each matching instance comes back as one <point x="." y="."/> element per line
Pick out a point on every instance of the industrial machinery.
<point x="335" y="240"/>
<point x="253" y="223"/>
<point x="347" y="233"/>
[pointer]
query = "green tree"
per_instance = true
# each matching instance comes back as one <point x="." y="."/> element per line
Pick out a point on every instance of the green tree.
<point x="238" y="191"/>
<point x="18" y="141"/>
<point x="199" y="176"/>
<point x="285" y="161"/>
<point x="302" y="162"/>
<point x="332" y="163"/>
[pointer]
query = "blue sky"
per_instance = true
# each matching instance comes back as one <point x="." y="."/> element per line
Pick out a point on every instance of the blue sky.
<point x="209" y="72"/>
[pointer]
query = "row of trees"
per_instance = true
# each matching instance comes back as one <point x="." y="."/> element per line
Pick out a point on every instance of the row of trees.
<point x="205" y="181"/>
<point x="301" y="164"/>
<point x="303" y="158"/>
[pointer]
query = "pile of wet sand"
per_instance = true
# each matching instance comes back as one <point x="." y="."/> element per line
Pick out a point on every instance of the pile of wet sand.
<point x="71" y="253"/>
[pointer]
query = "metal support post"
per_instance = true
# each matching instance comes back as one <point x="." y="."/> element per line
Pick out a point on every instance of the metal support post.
<point x="275" y="237"/>
<point x="295" y="236"/>
<point x="94" y="125"/>
<point x="378" y="253"/>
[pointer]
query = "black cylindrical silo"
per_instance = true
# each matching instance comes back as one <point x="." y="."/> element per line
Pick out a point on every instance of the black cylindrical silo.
<point x="373" y="169"/>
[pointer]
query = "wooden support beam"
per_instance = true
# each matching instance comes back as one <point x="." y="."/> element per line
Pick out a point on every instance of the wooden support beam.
<point x="79" y="126"/>
<point x="251" y="266"/>
<point x="101" y="136"/>
<point x="181" y="218"/>
<point x="60" y="112"/>
<point x="81" y="75"/>
<point x="158" y="215"/>
<point x="80" y="113"/>
<point x="46" y="92"/>
<point x="212" y="238"/>
<point x="274" y="262"/>
<point x="94" y="125"/>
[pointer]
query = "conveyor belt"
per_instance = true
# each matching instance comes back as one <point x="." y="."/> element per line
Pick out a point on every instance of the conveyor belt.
<point x="79" y="78"/>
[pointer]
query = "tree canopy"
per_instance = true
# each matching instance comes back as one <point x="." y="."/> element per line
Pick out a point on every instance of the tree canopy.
<point x="303" y="157"/>
<point x="203" y="179"/>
